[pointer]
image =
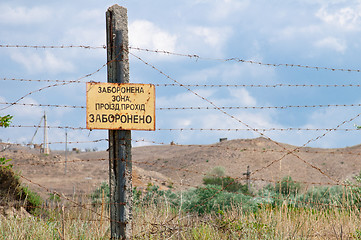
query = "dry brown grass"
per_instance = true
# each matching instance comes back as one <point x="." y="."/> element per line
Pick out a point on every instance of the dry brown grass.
<point x="165" y="222"/>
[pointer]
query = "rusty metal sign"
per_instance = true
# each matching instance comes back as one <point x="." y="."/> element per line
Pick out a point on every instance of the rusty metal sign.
<point x="120" y="106"/>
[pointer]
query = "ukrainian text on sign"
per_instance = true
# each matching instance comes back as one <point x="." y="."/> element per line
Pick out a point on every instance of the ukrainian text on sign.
<point x="124" y="106"/>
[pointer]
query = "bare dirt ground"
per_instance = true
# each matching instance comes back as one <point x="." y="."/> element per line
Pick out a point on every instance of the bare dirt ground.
<point x="183" y="166"/>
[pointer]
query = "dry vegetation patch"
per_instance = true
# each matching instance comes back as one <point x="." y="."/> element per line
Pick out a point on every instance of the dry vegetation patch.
<point x="15" y="199"/>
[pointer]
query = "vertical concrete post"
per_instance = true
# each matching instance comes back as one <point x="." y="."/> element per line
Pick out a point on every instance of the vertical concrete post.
<point x="46" y="143"/>
<point x="120" y="161"/>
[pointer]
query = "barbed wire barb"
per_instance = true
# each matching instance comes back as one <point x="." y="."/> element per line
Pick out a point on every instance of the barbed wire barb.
<point x="239" y="60"/>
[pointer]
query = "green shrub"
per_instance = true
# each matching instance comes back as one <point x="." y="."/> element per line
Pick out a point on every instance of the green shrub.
<point x="152" y="195"/>
<point x="12" y="192"/>
<point x="228" y="183"/>
<point x="212" y="198"/>
<point x="34" y="201"/>
<point x="217" y="177"/>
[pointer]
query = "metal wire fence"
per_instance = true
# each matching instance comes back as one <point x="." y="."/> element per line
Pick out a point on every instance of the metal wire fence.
<point x="283" y="151"/>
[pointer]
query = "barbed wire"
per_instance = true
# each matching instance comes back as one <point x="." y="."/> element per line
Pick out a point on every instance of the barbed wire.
<point x="213" y="145"/>
<point x="261" y="107"/>
<point x="55" y="127"/>
<point x="83" y="206"/>
<point x="309" y="141"/>
<point x="65" y="83"/>
<point x="162" y="226"/>
<point x="274" y="129"/>
<point x="8" y="144"/>
<point x="56" y="205"/>
<point x="59" y="195"/>
<point x="203" y="129"/>
<point x="259" y="129"/>
<point x="164" y="165"/>
<point x="41" y="80"/>
<point x="195" y="108"/>
<point x="54" y="85"/>
<point x="183" y="169"/>
<point x="47" y="163"/>
<point x="194" y="56"/>
<point x="77" y="142"/>
<point x="198" y="85"/>
<point x="207" y="199"/>
<point x="187" y="170"/>
<point x="254" y="179"/>
<point x="42" y="105"/>
<point x="238" y="60"/>
<point x="52" y="47"/>
<point x="79" y="128"/>
<point x="272" y="181"/>
<point x="257" y="85"/>
<point x="247" y="125"/>
<point x="32" y="92"/>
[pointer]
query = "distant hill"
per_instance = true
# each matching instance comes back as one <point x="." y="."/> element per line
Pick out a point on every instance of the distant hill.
<point x="183" y="166"/>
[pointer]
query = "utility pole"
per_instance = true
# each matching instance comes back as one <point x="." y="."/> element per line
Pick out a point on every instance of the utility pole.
<point x="120" y="163"/>
<point x="248" y="178"/>
<point x="46" y="143"/>
<point x="66" y="151"/>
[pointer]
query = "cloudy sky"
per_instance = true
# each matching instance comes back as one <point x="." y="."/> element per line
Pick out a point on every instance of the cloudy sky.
<point x="314" y="33"/>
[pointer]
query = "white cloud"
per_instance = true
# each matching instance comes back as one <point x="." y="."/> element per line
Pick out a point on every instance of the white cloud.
<point x="11" y="15"/>
<point x="200" y="76"/>
<point x="89" y="28"/>
<point x="22" y="112"/>
<point x="186" y="99"/>
<point x="232" y="73"/>
<point x="247" y="73"/>
<point x="85" y="36"/>
<point x="146" y="34"/>
<point x="87" y="15"/>
<point x="36" y="63"/>
<point x="242" y="97"/>
<point x="332" y="43"/>
<point x="224" y="9"/>
<point x="295" y="32"/>
<point x="215" y="118"/>
<point x="211" y="36"/>
<point x="347" y="18"/>
<point x="203" y="39"/>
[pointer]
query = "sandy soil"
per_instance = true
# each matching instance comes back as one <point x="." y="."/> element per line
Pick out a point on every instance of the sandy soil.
<point x="182" y="166"/>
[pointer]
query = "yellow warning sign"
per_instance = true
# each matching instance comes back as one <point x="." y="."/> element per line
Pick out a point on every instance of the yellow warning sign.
<point x="120" y="106"/>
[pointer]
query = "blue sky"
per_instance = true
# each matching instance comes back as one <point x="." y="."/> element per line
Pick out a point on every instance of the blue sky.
<point x="310" y="33"/>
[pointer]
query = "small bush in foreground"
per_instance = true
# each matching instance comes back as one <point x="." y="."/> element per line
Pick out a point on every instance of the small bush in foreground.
<point x="12" y="193"/>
